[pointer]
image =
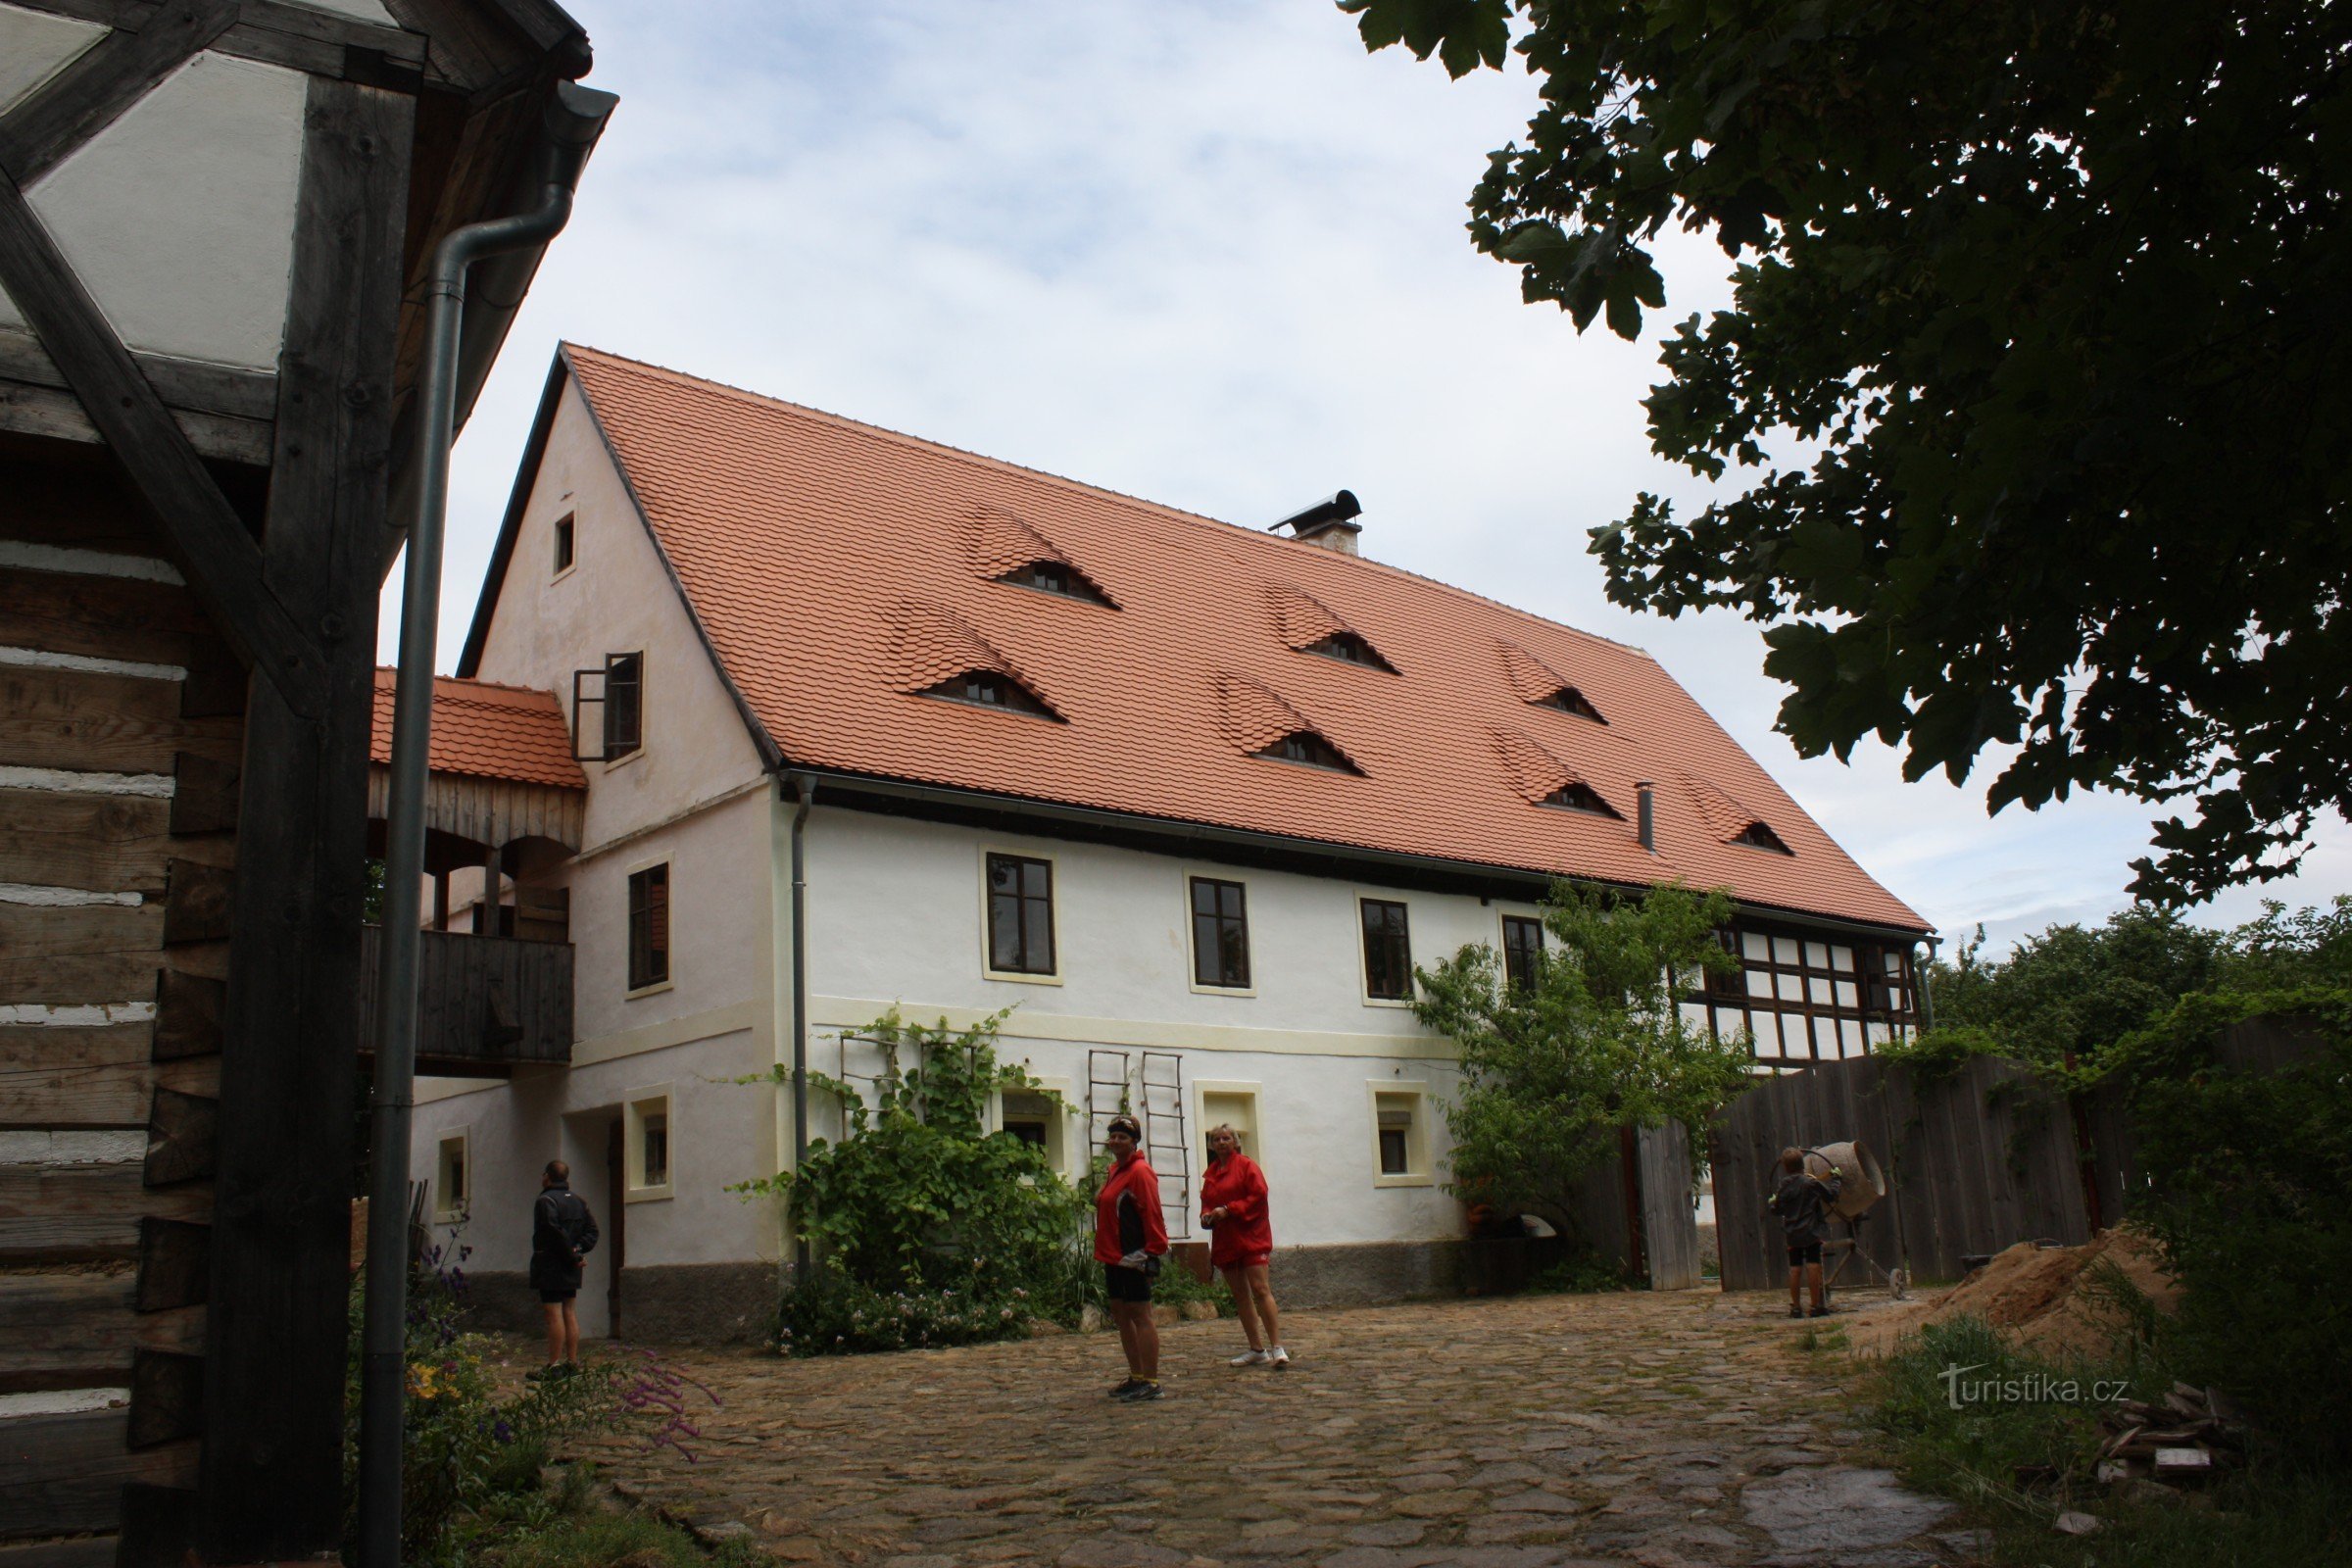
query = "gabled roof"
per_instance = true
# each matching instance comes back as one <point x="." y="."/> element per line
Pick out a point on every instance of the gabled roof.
<point x="485" y="730"/>
<point x="801" y="541"/>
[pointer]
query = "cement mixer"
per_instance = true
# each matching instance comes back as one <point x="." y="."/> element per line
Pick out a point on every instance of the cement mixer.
<point x="1860" y="1184"/>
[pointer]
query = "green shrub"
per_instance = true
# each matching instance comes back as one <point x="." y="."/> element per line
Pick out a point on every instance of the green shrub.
<point x="829" y="1313"/>
<point x="2252" y="1177"/>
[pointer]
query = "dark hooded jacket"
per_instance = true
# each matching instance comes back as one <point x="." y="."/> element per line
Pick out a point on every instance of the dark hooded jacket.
<point x="562" y="1232"/>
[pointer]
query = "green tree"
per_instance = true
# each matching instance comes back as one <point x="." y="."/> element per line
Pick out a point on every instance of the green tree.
<point x="2074" y="990"/>
<point x="1552" y="1071"/>
<point x="2033" y="367"/>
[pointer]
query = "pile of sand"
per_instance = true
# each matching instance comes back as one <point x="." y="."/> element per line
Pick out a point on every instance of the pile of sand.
<point x="2048" y="1299"/>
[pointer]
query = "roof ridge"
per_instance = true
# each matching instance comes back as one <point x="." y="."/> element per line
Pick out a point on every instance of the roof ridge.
<point x="862" y="427"/>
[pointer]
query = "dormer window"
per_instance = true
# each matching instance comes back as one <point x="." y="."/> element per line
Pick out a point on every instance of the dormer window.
<point x="1757" y="836"/>
<point x="1568" y="699"/>
<point x="1049" y="576"/>
<point x="986" y="688"/>
<point x="1350" y="649"/>
<point x="1575" y="797"/>
<point x="1310" y="749"/>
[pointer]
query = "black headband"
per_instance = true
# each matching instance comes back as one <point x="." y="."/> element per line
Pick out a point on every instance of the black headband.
<point x="1127" y="1125"/>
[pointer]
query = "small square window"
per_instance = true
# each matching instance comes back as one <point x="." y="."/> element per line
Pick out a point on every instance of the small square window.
<point x="566" y="543"/>
<point x="1400" y="1137"/>
<point x="1387" y="950"/>
<point x="649" y="928"/>
<point x="1220" y="935"/>
<point x="1021" y="915"/>
<point x="1035" y="1118"/>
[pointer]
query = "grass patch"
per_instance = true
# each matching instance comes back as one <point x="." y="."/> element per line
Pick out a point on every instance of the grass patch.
<point x="2015" y="1464"/>
<point x="563" y="1525"/>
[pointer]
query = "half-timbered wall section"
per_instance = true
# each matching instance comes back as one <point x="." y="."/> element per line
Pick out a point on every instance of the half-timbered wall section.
<point x="1806" y="996"/>
<point x="207" y="228"/>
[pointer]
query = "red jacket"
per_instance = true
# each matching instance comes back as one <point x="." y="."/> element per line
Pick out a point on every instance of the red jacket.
<point x="1237" y="1186"/>
<point x="1137" y="1183"/>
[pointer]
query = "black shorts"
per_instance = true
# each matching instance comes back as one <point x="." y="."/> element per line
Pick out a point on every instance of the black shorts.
<point x="1126" y="1284"/>
<point x="1806" y="1253"/>
<point x="555" y="1298"/>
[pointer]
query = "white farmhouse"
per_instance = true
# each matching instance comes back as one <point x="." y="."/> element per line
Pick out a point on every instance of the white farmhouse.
<point x="866" y="721"/>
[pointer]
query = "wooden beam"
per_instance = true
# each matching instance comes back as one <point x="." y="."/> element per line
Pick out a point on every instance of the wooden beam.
<point x="184" y="385"/>
<point x="275" y="1359"/>
<point x="84" y="1213"/>
<point x="222" y="562"/>
<point x="88" y="722"/>
<point x="64" y="1473"/>
<point x="92" y="92"/>
<point x="79" y="1330"/>
<point x="174" y="1264"/>
<point x="184" y="1141"/>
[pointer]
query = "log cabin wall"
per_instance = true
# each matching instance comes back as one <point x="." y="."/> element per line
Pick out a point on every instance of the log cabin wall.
<point x="198" y="430"/>
<point x="120" y="734"/>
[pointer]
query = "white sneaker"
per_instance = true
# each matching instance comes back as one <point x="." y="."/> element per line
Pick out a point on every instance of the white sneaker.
<point x="1251" y="1358"/>
<point x="1279" y="1360"/>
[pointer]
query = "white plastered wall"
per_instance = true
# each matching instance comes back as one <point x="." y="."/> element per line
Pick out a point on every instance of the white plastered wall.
<point x="179" y="216"/>
<point x="694" y="797"/>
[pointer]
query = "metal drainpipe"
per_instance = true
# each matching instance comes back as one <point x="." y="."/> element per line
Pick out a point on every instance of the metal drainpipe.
<point x="382" y="1368"/>
<point x="806" y="790"/>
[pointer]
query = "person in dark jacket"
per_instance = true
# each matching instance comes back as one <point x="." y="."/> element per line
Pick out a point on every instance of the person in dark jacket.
<point x="1802" y="1201"/>
<point x="563" y="1234"/>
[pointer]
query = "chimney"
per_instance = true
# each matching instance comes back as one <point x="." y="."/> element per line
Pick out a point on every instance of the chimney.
<point x="1328" y="523"/>
<point x="1647" y="812"/>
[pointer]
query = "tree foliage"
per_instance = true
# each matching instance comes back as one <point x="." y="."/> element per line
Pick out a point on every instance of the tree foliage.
<point x="1551" y="1072"/>
<point x="2033" y="366"/>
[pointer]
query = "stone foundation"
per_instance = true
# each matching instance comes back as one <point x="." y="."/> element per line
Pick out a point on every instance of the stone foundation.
<point x="660" y="1304"/>
<point x="1367" y="1273"/>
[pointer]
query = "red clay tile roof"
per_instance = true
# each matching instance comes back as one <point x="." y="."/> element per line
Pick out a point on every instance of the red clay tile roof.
<point x="801" y="540"/>
<point x="488" y="731"/>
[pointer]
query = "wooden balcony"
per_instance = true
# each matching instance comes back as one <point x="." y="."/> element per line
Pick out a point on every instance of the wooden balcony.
<point x="484" y="1003"/>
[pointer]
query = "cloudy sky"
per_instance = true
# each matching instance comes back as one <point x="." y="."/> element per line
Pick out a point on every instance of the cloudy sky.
<point x="1207" y="253"/>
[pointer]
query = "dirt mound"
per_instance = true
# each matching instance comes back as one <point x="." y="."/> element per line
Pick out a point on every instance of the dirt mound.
<point x="2048" y="1299"/>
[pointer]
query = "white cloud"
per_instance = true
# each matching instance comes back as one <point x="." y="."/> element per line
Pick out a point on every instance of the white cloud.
<point x="1212" y="254"/>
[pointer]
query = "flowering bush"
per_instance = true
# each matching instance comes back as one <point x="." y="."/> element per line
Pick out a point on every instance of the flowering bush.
<point x="464" y="1446"/>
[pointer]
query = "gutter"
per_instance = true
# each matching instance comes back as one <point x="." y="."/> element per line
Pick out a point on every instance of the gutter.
<point x="573" y="118"/>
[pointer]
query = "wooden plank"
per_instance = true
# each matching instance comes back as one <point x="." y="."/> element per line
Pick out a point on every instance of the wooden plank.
<point x="78" y="1551"/>
<point x="92" y="91"/>
<point x="84" y="721"/>
<point x="274" y="1367"/>
<point x="101" y="1076"/>
<point x="65" y="1473"/>
<point x="196" y="902"/>
<point x="100" y="616"/>
<point x="184" y="1138"/>
<point x="167" y="1396"/>
<point x="57" y="415"/>
<point x="84" y="1213"/>
<point x="159" y="1526"/>
<point x="204" y="794"/>
<point x="78" y="1331"/>
<point x="175" y="1268"/>
<point x="111" y="843"/>
<point x="219" y="554"/>
<point x="185" y="385"/>
<point x="188" y="1010"/>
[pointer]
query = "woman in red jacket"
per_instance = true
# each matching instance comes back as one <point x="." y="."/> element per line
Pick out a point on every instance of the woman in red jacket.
<point x="1233" y="1205"/>
<point x="1130" y="1238"/>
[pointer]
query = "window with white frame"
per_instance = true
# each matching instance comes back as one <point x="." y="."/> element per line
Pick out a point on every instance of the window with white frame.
<point x="1235" y="1106"/>
<point x="1400" y="1135"/>
<point x="1036" y="1118"/>
<point x="646" y="1135"/>
<point x="453" y="1194"/>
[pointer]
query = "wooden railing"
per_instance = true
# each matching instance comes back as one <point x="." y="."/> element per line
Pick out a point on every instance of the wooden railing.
<point x="483" y="1002"/>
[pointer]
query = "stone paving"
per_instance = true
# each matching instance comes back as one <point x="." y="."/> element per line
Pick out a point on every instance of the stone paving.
<point x="1538" y="1432"/>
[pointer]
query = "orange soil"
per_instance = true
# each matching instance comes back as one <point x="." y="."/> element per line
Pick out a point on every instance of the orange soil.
<point x="2042" y="1298"/>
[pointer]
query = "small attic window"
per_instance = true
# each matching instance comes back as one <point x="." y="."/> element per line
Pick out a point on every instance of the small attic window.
<point x="1055" y="577"/>
<point x="1349" y="647"/>
<point x="986" y="688"/>
<point x="1575" y="797"/>
<point x="1568" y="699"/>
<point x="1757" y="836"/>
<point x="1310" y="749"/>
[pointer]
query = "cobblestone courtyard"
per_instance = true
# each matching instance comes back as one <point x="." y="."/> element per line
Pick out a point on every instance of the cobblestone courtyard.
<point x="1529" y="1433"/>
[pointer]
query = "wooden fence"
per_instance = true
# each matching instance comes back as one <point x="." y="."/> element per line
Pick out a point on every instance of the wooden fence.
<point x="483" y="1002"/>
<point x="1974" y="1161"/>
